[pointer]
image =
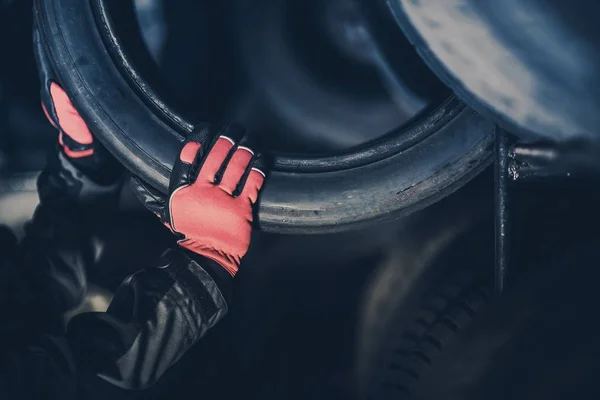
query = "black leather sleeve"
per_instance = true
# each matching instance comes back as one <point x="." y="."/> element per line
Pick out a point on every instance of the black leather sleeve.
<point x="156" y="314"/>
<point x="155" y="317"/>
<point x="57" y="245"/>
<point x="43" y="277"/>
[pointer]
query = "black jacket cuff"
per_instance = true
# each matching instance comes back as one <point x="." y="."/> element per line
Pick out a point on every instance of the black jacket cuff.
<point x="220" y="276"/>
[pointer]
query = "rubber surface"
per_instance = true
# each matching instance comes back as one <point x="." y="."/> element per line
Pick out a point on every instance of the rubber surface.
<point x="462" y="345"/>
<point x="405" y="171"/>
<point x="531" y="65"/>
<point x="435" y="282"/>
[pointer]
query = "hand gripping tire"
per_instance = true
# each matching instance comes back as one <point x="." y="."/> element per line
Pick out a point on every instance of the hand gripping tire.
<point x="402" y="172"/>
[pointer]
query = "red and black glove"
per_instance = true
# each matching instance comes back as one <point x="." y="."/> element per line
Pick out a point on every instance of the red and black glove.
<point x="214" y="185"/>
<point x="75" y="139"/>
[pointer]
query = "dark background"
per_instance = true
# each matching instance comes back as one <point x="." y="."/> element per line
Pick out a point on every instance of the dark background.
<point x="297" y="327"/>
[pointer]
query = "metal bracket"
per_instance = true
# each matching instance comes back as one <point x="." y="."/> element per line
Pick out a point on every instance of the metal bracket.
<point x="543" y="161"/>
<point x="518" y="163"/>
<point x="502" y="208"/>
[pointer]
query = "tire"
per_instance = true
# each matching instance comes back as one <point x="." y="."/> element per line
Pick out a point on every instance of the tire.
<point x="405" y="171"/>
<point x="539" y="340"/>
<point x="430" y="291"/>
<point x="432" y="329"/>
<point x="532" y="66"/>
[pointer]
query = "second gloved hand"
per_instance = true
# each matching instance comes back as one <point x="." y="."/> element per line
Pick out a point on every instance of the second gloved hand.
<point x="214" y="185"/>
<point x="76" y="141"/>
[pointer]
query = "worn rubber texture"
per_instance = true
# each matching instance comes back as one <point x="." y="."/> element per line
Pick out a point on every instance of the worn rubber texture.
<point x="529" y="65"/>
<point x="403" y="172"/>
<point x="447" y="309"/>
<point x="434" y="330"/>
<point x="535" y="341"/>
<point x="432" y="287"/>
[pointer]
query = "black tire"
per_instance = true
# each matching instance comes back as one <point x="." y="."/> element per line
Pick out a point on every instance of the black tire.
<point x="418" y="303"/>
<point x="403" y="172"/>
<point x="430" y="329"/>
<point x="532" y="66"/>
<point x="539" y="340"/>
<point x="536" y="341"/>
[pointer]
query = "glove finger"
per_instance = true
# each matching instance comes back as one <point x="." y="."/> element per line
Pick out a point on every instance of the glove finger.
<point x="253" y="179"/>
<point x="236" y="133"/>
<point x="189" y="156"/>
<point x="236" y="168"/>
<point x="151" y="198"/>
<point x="214" y="163"/>
<point x="181" y="175"/>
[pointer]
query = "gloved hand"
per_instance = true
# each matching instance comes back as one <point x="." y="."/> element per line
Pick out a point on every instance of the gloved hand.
<point x="75" y="139"/>
<point x="214" y="185"/>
